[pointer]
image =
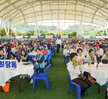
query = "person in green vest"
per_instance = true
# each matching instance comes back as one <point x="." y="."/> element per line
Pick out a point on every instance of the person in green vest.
<point x="91" y="57"/>
<point x="80" y="54"/>
<point x="74" y="69"/>
<point x="105" y="57"/>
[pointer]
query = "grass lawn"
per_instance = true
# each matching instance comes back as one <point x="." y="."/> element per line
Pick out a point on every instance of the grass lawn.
<point x="59" y="84"/>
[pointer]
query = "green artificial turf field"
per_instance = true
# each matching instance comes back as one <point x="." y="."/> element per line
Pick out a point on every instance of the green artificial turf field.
<point x="59" y="83"/>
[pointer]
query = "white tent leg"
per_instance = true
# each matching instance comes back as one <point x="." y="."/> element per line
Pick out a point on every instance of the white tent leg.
<point x="106" y="31"/>
<point x="103" y="32"/>
<point x="5" y="28"/>
<point x="8" y="28"/>
<point x="15" y="31"/>
<point x="36" y="29"/>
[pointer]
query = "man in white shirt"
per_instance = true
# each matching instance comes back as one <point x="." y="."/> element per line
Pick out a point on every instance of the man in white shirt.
<point x="74" y="71"/>
<point x="91" y="57"/>
<point x="73" y="50"/>
<point x="58" y="43"/>
<point x="66" y="51"/>
<point x="99" y="51"/>
<point x="105" y="57"/>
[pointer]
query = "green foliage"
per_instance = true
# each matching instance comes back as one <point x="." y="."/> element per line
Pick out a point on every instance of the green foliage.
<point x="2" y="32"/>
<point x="73" y="34"/>
<point x="57" y="34"/>
<point x="41" y="31"/>
<point x="98" y="33"/>
<point x="64" y="34"/>
<point x="105" y="33"/>
<point x="42" y="34"/>
<point x="50" y="34"/>
<point x="106" y="39"/>
<point x="20" y="34"/>
<point x="95" y="33"/>
<point x="12" y="33"/>
<point x="30" y="33"/>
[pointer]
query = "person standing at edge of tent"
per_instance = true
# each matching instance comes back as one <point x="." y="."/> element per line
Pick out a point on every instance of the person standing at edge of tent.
<point x="58" y="43"/>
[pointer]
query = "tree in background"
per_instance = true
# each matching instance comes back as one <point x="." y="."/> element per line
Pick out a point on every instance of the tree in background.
<point x="3" y="32"/>
<point x="105" y="34"/>
<point x="98" y="33"/>
<point x="50" y="34"/>
<point x="30" y="33"/>
<point x="73" y="34"/>
<point x="11" y="32"/>
<point x="20" y="34"/>
<point x="42" y="34"/>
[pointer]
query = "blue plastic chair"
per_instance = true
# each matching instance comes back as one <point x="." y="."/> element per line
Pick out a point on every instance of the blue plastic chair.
<point x="66" y="59"/>
<point x="16" y="56"/>
<point x="72" y="85"/>
<point x="43" y="76"/>
<point x="31" y="57"/>
<point x="106" y="84"/>
<point x="49" y="60"/>
<point x="54" y="49"/>
<point x="51" y="48"/>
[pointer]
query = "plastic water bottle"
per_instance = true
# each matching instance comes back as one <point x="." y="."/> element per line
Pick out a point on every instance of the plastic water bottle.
<point x="89" y="65"/>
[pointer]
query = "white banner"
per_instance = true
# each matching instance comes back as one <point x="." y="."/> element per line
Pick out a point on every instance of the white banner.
<point x="49" y="36"/>
<point x="86" y="37"/>
<point x="19" y="37"/>
<point x="64" y="36"/>
<point x="34" y="37"/>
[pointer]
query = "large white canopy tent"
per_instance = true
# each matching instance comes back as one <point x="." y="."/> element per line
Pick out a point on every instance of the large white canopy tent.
<point x="27" y="11"/>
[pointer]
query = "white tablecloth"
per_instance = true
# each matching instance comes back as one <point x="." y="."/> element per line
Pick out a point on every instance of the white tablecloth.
<point x="6" y="74"/>
<point x="100" y="74"/>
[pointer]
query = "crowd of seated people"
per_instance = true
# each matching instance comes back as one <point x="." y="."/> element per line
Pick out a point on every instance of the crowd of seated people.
<point x="76" y="53"/>
<point x="20" y="50"/>
<point x="81" y="52"/>
<point x="86" y="50"/>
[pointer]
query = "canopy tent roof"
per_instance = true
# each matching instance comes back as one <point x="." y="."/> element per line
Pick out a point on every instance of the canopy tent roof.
<point x="27" y="11"/>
